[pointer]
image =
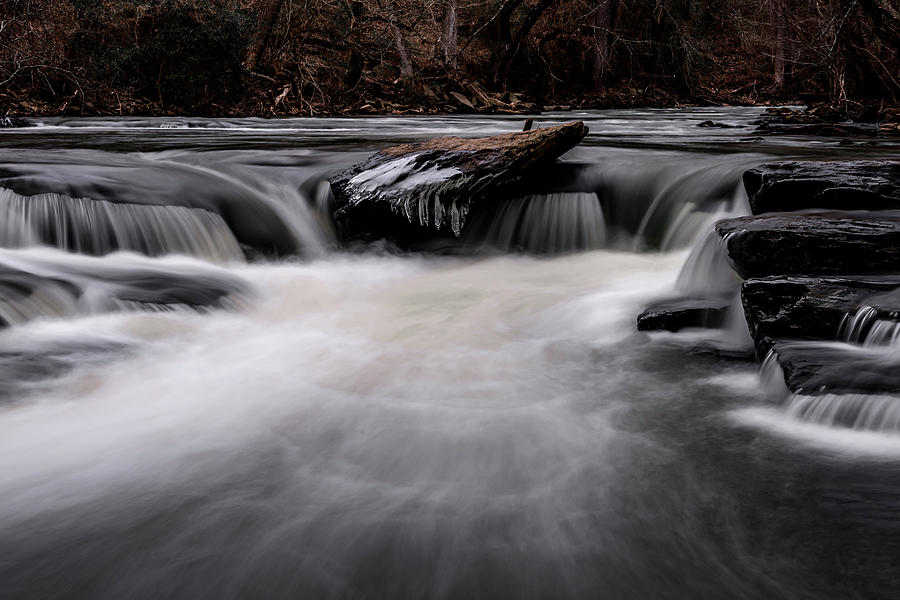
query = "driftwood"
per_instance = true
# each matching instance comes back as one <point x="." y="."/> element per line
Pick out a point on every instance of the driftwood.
<point x="432" y="185"/>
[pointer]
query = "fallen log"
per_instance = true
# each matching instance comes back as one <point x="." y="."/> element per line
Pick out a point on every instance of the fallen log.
<point x="429" y="187"/>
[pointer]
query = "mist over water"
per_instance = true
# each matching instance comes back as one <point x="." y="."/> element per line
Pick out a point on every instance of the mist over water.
<point x="195" y="421"/>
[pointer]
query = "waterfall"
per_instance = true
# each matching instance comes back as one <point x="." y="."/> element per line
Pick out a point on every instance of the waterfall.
<point x="542" y="224"/>
<point x="867" y="329"/>
<point x="868" y="412"/>
<point x="100" y="227"/>
<point x="877" y="339"/>
<point x="667" y="206"/>
<point x="707" y="271"/>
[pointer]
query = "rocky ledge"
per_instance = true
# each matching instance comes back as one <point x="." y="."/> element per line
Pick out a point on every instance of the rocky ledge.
<point x="821" y="293"/>
<point x="684" y="313"/>
<point x="816" y="243"/>
<point x="810" y="307"/>
<point x="848" y="185"/>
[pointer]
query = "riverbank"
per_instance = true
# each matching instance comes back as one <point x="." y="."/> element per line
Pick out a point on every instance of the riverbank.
<point x="267" y="97"/>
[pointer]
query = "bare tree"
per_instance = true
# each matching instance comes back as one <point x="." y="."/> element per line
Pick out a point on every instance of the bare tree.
<point x="603" y="21"/>
<point x="267" y="13"/>
<point x="779" y="19"/>
<point x="511" y="44"/>
<point x="406" y="67"/>
<point x="451" y="17"/>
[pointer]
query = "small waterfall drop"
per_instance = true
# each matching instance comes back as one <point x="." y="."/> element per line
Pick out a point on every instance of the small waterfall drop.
<point x="100" y="227"/>
<point x="867" y="328"/>
<point x="543" y="224"/>
<point x="878" y="339"/>
<point x="707" y="271"/>
<point x="869" y="412"/>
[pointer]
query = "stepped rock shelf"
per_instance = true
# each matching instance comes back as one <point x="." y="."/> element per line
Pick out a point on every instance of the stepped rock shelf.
<point x="820" y="260"/>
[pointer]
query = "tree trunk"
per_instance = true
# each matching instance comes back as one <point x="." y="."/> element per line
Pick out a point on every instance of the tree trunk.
<point x="406" y="68"/>
<point x="603" y="22"/>
<point x="504" y="36"/>
<point x="779" y="15"/>
<point x="450" y="37"/>
<point x="506" y="61"/>
<point x="266" y="15"/>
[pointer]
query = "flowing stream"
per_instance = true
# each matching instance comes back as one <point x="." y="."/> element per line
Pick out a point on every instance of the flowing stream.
<point x="204" y="395"/>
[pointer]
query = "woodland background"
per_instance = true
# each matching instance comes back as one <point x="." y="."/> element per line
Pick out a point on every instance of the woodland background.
<point x="318" y="57"/>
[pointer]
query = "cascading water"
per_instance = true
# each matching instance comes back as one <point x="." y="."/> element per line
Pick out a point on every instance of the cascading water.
<point x="99" y="227"/>
<point x="367" y="423"/>
<point x="542" y="224"/>
<point x="867" y="336"/>
<point x="869" y="328"/>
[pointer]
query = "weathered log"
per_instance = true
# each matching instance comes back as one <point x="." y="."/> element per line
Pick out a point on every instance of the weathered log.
<point x="847" y="185"/>
<point x="430" y="187"/>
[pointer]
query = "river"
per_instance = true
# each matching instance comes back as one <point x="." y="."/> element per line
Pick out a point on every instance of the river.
<point x="368" y="423"/>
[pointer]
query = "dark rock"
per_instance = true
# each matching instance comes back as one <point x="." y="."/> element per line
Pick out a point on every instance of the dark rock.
<point x="123" y="179"/>
<point x="807" y="307"/>
<point x="821" y="129"/>
<point x="834" y="368"/>
<point x="714" y="125"/>
<point x="32" y="287"/>
<point x="848" y="185"/>
<point x="682" y="313"/>
<point x="419" y="189"/>
<point x="11" y="122"/>
<point x="830" y="243"/>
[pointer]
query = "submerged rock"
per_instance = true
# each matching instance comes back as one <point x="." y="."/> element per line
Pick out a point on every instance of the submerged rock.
<point x="43" y="283"/>
<point x="811" y="308"/>
<point x="682" y="313"/>
<point x="415" y="190"/>
<point x="13" y="122"/>
<point x="847" y="185"/>
<point x="829" y="243"/>
<point x="815" y="368"/>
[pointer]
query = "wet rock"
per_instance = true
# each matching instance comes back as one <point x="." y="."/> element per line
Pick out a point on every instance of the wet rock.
<point x="815" y="368"/>
<point x="682" y="313"/>
<point x="82" y="187"/>
<point x="417" y="190"/>
<point x="828" y="243"/>
<point x="831" y="120"/>
<point x="847" y="185"/>
<point x="820" y="129"/>
<point x="714" y="125"/>
<point x="810" y="308"/>
<point x="10" y="122"/>
<point x="59" y="285"/>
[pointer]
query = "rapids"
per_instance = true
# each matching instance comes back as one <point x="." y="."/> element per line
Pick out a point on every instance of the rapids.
<point x="205" y="395"/>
